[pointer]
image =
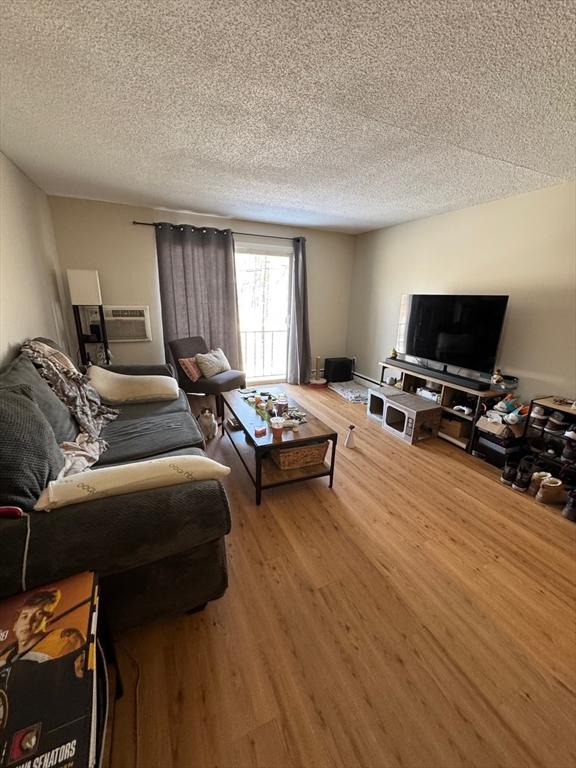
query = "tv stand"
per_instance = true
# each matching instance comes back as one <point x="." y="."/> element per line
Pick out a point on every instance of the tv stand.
<point x="456" y="427"/>
<point x="434" y="374"/>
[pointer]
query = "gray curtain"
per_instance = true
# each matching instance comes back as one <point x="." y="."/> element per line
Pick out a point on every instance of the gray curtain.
<point x="198" y="286"/>
<point x="299" y="355"/>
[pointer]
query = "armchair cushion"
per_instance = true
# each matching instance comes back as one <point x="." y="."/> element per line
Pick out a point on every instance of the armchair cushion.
<point x="221" y="382"/>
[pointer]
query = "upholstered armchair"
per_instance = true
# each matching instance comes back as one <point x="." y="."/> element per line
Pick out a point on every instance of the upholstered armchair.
<point x="215" y="385"/>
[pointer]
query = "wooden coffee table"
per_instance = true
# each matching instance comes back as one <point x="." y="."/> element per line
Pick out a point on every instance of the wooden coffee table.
<point x="254" y="452"/>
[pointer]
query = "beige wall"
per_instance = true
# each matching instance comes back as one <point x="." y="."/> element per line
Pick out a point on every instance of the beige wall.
<point x="96" y="235"/>
<point x="29" y="274"/>
<point x="523" y="246"/>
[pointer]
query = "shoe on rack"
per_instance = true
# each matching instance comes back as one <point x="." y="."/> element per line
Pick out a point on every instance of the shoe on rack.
<point x="557" y="423"/>
<point x="569" y="452"/>
<point x="553" y="428"/>
<point x="538" y="442"/>
<point x="538" y="411"/>
<point x="536" y="481"/>
<point x="554" y="445"/>
<point x="508" y="404"/>
<point x="571" y="432"/>
<point x="551" y="491"/>
<point x="518" y="415"/>
<point x="539" y="422"/>
<point x="509" y="472"/>
<point x="523" y="477"/>
<point x="569" y="511"/>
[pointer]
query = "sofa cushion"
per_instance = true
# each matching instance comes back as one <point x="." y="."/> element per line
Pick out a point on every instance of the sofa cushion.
<point x="23" y="371"/>
<point x="113" y="535"/>
<point x="139" y="438"/>
<point x="172" y="585"/>
<point x="130" y="411"/>
<point x="175" y="452"/>
<point x="29" y="454"/>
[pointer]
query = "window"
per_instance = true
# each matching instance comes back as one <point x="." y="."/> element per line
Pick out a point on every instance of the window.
<point x="263" y="280"/>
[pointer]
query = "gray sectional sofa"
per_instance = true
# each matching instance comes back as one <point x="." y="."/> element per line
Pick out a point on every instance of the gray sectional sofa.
<point x="157" y="552"/>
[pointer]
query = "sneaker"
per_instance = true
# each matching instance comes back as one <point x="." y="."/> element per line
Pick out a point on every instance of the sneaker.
<point x="538" y="421"/>
<point x="571" y="432"/>
<point x="509" y="472"/>
<point x="551" y="491"/>
<point x="553" y="427"/>
<point x="508" y="404"/>
<point x="569" y="452"/>
<point x="558" y="419"/>
<point x="518" y="415"/>
<point x="554" y="446"/>
<point x="538" y="411"/>
<point x="567" y="473"/>
<point x="523" y="477"/>
<point x="538" y="441"/>
<point x="569" y="511"/>
<point x="536" y="482"/>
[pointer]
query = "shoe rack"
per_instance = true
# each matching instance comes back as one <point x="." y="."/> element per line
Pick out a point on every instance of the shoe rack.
<point x="533" y="434"/>
<point x="456" y="427"/>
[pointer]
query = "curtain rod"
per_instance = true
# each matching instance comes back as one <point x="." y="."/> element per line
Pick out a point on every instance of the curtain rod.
<point x="245" y="234"/>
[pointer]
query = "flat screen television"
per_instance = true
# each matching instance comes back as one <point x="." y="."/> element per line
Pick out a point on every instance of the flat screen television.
<point x="462" y="331"/>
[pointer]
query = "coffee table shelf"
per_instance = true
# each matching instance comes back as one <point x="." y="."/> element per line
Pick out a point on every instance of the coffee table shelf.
<point x="254" y="452"/>
<point x="273" y="475"/>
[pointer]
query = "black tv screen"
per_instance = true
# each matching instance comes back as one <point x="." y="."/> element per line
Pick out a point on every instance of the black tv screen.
<point x="462" y="331"/>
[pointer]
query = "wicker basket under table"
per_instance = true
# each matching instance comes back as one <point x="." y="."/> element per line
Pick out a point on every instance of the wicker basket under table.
<point x="300" y="456"/>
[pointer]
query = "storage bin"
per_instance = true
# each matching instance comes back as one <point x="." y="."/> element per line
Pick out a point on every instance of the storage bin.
<point x="301" y="456"/>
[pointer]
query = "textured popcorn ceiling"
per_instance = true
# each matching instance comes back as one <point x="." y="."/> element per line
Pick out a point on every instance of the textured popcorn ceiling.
<point x="346" y="114"/>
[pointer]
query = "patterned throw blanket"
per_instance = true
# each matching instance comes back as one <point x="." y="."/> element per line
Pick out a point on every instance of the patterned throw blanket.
<point x="79" y="396"/>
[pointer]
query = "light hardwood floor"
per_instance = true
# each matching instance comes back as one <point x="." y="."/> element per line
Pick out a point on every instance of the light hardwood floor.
<point x="419" y="614"/>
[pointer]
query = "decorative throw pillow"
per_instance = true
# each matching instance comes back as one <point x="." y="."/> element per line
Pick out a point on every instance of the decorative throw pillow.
<point x="212" y="362"/>
<point x="116" y="388"/>
<point x="128" y="478"/>
<point x="29" y="454"/>
<point x="190" y="368"/>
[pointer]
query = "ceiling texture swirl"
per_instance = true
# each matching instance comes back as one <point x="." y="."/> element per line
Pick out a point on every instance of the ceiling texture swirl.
<point x="341" y="114"/>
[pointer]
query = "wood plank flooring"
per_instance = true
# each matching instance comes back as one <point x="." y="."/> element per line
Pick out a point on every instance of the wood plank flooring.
<point x="418" y="615"/>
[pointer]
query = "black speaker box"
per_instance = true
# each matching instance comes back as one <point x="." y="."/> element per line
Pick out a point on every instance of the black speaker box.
<point x="338" y="368"/>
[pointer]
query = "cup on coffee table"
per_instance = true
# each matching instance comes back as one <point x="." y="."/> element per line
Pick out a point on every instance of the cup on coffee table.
<point x="281" y="405"/>
<point x="277" y="426"/>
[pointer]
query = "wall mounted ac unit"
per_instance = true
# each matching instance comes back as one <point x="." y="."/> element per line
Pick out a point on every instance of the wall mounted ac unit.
<point x="125" y="323"/>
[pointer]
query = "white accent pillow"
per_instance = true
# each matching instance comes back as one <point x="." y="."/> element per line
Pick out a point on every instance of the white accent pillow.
<point x="117" y="388"/>
<point x="212" y="362"/>
<point x="127" y="478"/>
